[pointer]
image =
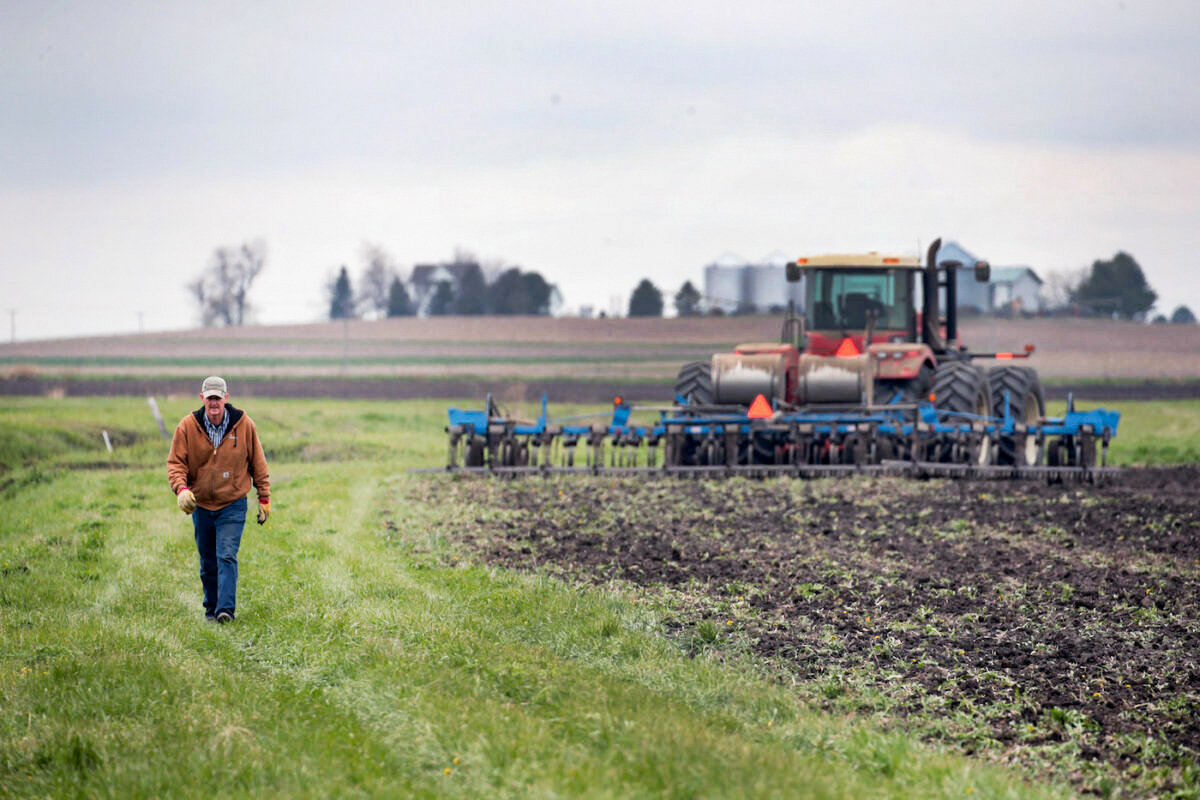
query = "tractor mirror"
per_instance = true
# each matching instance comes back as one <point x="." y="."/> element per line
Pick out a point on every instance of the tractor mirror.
<point x="793" y="272"/>
<point x="983" y="271"/>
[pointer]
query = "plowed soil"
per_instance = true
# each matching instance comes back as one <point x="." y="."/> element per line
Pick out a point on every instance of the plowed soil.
<point x="1057" y="627"/>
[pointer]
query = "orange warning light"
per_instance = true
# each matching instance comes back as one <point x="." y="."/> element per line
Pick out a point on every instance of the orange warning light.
<point x="760" y="409"/>
<point x="847" y="349"/>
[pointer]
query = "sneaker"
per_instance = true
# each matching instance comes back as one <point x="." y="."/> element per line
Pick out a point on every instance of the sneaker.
<point x="210" y="617"/>
<point x="224" y="617"/>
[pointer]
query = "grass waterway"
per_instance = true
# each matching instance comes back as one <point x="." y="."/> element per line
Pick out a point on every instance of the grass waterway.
<point x="372" y="656"/>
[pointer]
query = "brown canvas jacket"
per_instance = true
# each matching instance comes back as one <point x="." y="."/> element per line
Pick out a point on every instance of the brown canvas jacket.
<point x="218" y="476"/>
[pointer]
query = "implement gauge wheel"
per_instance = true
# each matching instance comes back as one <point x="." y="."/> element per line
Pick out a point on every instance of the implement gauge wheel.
<point x="475" y="453"/>
<point x="694" y="383"/>
<point x="1026" y="403"/>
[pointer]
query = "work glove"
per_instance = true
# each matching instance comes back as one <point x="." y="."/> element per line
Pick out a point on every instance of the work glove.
<point x="186" y="500"/>
<point x="264" y="511"/>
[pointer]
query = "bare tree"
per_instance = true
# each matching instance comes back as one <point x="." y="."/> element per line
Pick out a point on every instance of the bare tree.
<point x="375" y="285"/>
<point x="222" y="289"/>
<point x="1061" y="286"/>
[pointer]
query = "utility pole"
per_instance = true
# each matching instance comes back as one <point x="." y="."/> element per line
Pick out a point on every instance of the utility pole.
<point x="345" y="344"/>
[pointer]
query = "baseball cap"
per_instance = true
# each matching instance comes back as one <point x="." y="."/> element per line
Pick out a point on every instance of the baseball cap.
<point x="214" y="387"/>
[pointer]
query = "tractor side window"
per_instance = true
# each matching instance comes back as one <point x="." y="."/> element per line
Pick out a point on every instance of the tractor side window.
<point x="845" y="299"/>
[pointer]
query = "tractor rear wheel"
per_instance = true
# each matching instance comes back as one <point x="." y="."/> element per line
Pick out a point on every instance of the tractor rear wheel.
<point x="1026" y="404"/>
<point x="694" y="383"/>
<point x="900" y="391"/>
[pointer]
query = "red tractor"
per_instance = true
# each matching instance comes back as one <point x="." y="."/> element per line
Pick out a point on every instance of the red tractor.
<point x="863" y="342"/>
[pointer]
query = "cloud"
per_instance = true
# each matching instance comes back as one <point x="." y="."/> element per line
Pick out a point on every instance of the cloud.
<point x="596" y="226"/>
<point x="597" y="145"/>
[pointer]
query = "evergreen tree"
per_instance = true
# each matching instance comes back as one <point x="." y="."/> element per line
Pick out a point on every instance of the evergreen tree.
<point x="442" y="302"/>
<point x="1183" y="316"/>
<point x="471" y="297"/>
<point x="646" y="301"/>
<point x="341" y="302"/>
<point x="399" y="304"/>
<point x="516" y="292"/>
<point x="1117" y="287"/>
<point x="687" y="300"/>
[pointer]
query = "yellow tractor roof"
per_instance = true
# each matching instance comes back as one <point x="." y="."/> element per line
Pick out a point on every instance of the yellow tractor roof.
<point x="868" y="260"/>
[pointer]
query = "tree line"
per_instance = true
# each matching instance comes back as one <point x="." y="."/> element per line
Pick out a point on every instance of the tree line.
<point x="1116" y="287"/>
<point x="463" y="285"/>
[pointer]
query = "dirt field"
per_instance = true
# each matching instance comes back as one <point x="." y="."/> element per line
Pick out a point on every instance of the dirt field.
<point x="1054" y="627"/>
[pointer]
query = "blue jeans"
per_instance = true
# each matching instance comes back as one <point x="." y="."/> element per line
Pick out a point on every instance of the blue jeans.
<point x="218" y="537"/>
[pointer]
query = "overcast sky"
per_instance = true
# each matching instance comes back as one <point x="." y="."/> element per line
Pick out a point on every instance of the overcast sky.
<point x="595" y="143"/>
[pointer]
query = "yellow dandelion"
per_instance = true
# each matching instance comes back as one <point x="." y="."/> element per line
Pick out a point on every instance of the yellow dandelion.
<point x="868" y="619"/>
<point x="455" y="759"/>
<point x="1095" y="694"/>
<point x="447" y="771"/>
<point x="729" y="622"/>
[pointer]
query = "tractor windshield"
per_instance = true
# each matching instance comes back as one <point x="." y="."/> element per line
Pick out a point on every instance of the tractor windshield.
<point x="842" y="299"/>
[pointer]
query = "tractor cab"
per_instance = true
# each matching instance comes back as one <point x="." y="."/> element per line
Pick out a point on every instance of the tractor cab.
<point x="849" y="297"/>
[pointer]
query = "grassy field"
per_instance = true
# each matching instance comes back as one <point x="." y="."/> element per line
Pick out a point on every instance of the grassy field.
<point x="367" y="659"/>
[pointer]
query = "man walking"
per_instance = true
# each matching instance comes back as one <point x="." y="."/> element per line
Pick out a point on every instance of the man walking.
<point x="215" y="455"/>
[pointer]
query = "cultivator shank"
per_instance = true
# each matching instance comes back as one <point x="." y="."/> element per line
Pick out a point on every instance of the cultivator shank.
<point x="914" y="439"/>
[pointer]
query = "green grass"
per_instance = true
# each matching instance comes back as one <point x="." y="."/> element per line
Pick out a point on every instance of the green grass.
<point x="367" y="660"/>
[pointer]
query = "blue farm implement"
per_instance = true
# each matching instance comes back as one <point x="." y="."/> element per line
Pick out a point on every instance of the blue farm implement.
<point x="916" y="439"/>
<point x="871" y="376"/>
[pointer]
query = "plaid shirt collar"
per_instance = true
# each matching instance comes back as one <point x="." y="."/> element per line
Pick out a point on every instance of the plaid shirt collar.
<point x="216" y="432"/>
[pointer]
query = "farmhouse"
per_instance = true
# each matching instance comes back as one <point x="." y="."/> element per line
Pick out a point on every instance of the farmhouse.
<point x="426" y="277"/>
<point x="1011" y="290"/>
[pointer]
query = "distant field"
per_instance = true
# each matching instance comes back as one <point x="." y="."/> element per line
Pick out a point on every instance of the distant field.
<point x="567" y="348"/>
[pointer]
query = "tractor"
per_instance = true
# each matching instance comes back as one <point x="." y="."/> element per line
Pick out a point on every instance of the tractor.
<point x="872" y="336"/>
